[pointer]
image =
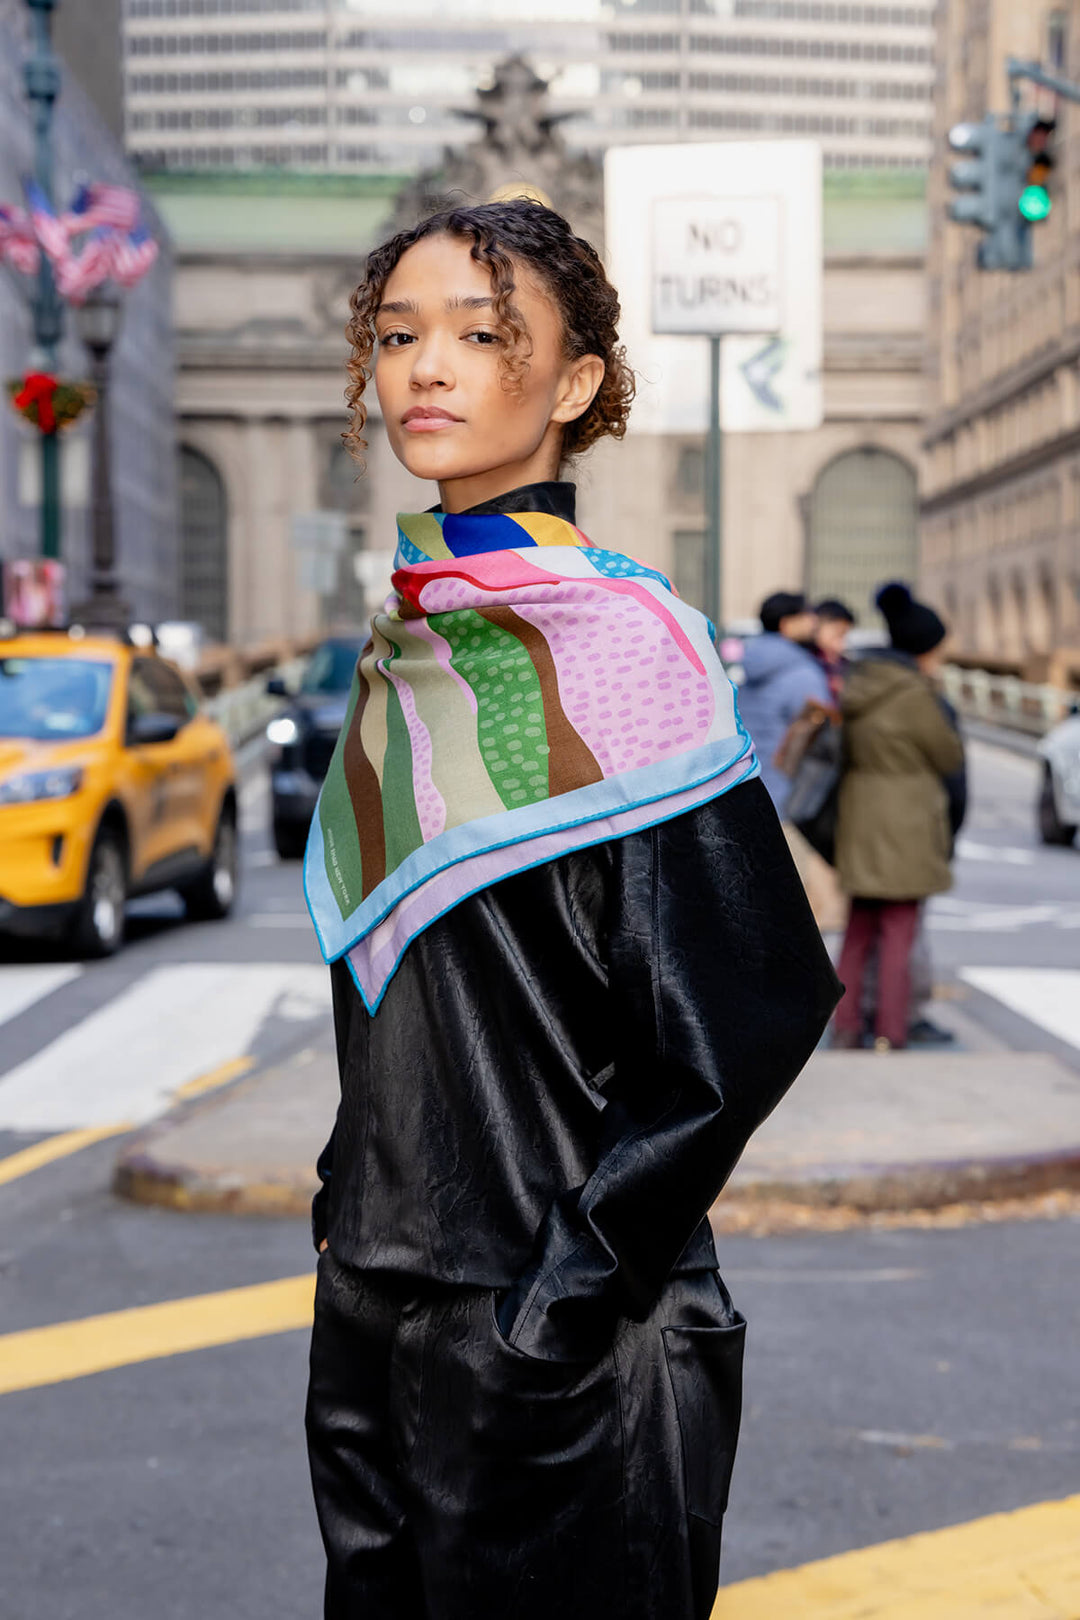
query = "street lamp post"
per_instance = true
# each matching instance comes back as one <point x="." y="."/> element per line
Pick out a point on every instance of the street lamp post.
<point x="97" y="321"/>
<point x="41" y="78"/>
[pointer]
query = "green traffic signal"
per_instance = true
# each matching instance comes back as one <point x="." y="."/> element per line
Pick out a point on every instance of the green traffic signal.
<point x="1034" y="203"/>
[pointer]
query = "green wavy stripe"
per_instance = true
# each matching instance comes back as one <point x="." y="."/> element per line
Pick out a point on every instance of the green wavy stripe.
<point x="510" y="723"/>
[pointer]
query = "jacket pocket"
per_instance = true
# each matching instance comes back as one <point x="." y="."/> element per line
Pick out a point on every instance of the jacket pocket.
<point x="705" y="1368"/>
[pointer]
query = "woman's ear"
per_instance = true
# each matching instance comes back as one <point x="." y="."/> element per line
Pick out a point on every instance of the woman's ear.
<point x="580" y="388"/>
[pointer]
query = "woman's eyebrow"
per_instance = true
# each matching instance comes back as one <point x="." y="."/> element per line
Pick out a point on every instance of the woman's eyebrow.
<point x="468" y="303"/>
<point x="399" y="306"/>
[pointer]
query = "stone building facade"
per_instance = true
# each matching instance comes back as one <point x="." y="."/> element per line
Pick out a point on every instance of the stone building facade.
<point x="264" y="270"/>
<point x="1000" y="524"/>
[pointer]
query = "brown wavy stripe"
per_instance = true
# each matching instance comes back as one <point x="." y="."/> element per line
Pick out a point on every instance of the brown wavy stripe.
<point x="571" y="763"/>
<point x="366" y="795"/>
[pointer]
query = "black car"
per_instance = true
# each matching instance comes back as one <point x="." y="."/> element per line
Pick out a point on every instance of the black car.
<point x="302" y="739"/>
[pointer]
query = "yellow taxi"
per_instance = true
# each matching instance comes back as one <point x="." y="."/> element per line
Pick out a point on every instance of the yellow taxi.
<point x="112" y="783"/>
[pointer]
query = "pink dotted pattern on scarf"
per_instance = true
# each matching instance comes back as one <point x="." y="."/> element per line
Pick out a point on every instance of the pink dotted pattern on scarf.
<point x="626" y="688"/>
<point x="430" y="804"/>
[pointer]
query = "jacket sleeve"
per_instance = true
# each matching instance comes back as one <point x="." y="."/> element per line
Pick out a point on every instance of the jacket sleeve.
<point x="808" y="684"/>
<point x="344" y="1004"/>
<point x="320" y="1212"/>
<point x="720" y="989"/>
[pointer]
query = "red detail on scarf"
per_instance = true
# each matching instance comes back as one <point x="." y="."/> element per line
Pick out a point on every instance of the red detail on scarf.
<point x="39" y="388"/>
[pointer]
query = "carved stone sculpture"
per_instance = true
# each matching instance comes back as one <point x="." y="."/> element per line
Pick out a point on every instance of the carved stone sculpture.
<point x="520" y="153"/>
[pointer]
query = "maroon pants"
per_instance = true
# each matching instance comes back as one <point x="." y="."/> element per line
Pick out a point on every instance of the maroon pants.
<point x="891" y="926"/>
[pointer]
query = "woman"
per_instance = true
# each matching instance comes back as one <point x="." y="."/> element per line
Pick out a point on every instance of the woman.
<point x="894" y="837"/>
<point x="573" y="970"/>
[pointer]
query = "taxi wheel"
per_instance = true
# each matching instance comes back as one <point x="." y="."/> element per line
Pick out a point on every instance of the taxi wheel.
<point x="98" y="925"/>
<point x="211" y="896"/>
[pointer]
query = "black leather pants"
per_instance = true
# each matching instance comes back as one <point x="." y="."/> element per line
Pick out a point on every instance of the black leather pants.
<point x="458" y="1479"/>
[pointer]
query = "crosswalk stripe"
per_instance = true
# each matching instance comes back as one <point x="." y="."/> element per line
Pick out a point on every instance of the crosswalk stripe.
<point x="21" y="986"/>
<point x="128" y="1059"/>
<point x="65" y="1350"/>
<point x="1049" y="997"/>
<point x="53" y="1148"/>
<point x="1024" y="1564"/>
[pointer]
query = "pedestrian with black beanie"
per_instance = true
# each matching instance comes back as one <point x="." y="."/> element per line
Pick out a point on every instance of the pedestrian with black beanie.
<point x="894" y="839"/>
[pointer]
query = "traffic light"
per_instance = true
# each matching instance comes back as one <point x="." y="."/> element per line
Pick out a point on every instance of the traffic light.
<point x="976" y="176"/>
<point x="1003" y="184"/>
<point x="1035" y="201"/>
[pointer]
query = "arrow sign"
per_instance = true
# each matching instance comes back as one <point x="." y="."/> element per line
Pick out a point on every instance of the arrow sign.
<point x="760" y="370"/>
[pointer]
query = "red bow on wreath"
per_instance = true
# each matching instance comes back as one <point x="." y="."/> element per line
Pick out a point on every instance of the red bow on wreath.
<point x="39" y="389"/>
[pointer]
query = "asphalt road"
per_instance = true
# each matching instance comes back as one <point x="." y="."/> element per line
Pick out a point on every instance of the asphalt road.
<point x="896" y="1381"/>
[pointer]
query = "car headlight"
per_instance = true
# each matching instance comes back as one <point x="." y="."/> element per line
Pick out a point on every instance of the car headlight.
<point x="32" y="786"/>
<point x="283" y="730"/>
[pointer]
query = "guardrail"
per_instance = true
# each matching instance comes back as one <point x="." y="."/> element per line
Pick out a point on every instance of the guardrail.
<point x="243" y="710"/>
<point x="1003" y="700"/>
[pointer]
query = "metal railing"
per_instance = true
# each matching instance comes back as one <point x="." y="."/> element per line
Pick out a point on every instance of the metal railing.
<point x="243" y="710"/>
<point x="1003" y="700"/>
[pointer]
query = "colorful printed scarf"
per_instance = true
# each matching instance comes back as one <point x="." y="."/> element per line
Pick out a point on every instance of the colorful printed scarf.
<point x="524" y="694"/>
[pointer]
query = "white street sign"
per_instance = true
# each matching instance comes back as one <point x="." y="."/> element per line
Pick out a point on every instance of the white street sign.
<point x="716" y="265"/>
<point x="771" y="381"/>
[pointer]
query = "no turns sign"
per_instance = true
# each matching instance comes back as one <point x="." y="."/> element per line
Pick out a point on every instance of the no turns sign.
<point x="716" y="265"/>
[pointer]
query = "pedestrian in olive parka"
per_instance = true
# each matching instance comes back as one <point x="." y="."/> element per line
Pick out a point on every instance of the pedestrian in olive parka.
<point x="900" y="801"/>
<point x="573" y="971"/>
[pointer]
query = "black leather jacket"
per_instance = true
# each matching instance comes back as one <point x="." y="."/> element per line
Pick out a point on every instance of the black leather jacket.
<point x="566" y="1068"/>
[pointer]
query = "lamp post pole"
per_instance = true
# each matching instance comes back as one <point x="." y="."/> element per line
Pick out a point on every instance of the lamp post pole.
<point x="41" y="78"/>
<point x="98" y="323"/>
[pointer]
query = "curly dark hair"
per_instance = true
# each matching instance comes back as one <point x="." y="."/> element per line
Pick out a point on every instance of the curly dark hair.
<point x="502" y="233"/>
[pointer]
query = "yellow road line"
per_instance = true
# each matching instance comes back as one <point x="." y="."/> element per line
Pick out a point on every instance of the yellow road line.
<point x="54" y="1147"/>
<point x="214" y="1078"/>
<point x="50" y="1355"/>
<point x="66" y="1142"/>
<point x="1010" y="1566"/>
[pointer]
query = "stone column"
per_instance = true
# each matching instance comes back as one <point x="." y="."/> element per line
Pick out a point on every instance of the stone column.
<point x="301" y="608"/>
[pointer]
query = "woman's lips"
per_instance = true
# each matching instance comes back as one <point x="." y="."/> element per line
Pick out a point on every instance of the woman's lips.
<point x="428" y="421"/>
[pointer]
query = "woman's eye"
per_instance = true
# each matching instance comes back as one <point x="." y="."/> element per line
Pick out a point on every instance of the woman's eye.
<point x="485" y="339"/>
<point x="396" y="340"/>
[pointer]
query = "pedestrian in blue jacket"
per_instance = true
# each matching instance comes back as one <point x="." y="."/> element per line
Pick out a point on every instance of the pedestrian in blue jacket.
<point x="782" y="676"/>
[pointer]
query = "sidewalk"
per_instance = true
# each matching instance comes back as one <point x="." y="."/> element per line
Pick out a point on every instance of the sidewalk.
<point x="859" y="1131"/>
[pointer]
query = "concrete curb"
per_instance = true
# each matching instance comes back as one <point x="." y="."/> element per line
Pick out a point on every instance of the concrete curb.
<point x="143" y="1177"/>
<point x="249" y="1149"/>
<point x="885" y="1187"/>
<point x="860" y="1135"/>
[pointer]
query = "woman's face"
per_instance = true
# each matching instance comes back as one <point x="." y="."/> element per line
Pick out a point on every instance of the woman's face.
<point x="448" y="411"/>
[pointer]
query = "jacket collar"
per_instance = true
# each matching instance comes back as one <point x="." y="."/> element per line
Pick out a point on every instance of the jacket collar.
<point x="556" y="498"/>
<point x="534" y="515"/>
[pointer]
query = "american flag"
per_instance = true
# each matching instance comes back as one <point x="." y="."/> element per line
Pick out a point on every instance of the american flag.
<point x="133" y="255"/>
<point x="100" y="203"/>
<point x="93" y="264"/>
<point x="18" y="244"/>
<point x="50" y="231"/>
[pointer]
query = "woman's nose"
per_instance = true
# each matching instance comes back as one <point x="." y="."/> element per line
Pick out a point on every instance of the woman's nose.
<point x="431" y="364"/>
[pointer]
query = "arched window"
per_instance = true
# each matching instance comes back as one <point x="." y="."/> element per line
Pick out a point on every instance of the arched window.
<point x="863" y="528"/>
<point x="204" y="581"/>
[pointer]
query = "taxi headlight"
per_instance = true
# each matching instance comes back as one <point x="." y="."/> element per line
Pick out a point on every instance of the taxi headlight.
<point x="28" y="788"/>
<point x="283" y="730"/>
